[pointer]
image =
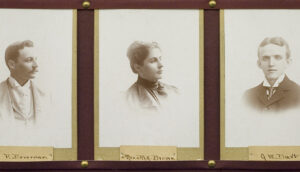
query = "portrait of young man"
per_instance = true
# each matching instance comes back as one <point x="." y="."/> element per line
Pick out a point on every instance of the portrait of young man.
<point x="148" y="92"/>
<point x="20" y="98"/>
<point x="277" y="92"/>
<point x="261" y="93"/>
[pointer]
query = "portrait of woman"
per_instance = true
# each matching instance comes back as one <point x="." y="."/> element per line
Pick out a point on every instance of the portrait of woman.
<point x="148" y="92"/>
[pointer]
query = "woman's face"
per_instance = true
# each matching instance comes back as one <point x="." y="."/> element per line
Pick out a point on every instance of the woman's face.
<point x="151" y="69"/>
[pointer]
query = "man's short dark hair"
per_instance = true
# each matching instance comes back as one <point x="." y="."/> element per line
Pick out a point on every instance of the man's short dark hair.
<point x="138" y="51"/>
<point x="12" y="51"/>
<point x="276" y="41"/>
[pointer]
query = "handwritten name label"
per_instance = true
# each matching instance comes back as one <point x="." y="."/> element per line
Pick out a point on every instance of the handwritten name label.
<point x="20" y="153"/>
<point x="148" y="153"/>
<point x="274" y="153"/>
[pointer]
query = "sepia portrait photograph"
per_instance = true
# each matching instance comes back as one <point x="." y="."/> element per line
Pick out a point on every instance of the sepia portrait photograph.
<point x="37" y="97"/>
<point x="261" y="87"/>
<point x="149" y="78"/>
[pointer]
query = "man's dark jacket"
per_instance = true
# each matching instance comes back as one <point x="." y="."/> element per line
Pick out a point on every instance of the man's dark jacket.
<point x="287" y="96"/>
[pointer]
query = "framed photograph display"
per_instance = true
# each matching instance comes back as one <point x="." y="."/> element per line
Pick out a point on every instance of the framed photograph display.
<point x="197" y="85"/>
<point x="149" y="81"/>
<point x="38" y="73"/>
<point x="260" y="92"/>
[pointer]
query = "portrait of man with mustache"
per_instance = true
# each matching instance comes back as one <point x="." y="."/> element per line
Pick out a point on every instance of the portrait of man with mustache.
<point x="20" y="98"/>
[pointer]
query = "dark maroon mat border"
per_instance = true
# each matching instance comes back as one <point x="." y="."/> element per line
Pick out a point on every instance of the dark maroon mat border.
<point x="175" y="165"/>
<point x="152" y="4"/>
<point x="85" y="92"/>
<point x="211" y="85"/>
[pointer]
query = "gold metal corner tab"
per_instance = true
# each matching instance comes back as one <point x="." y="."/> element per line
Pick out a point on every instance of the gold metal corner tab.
<point x="211" y="164"/>
<point x="212" y="3"/>
<point x="86" y="4"/>
<point x="84" y="164"/>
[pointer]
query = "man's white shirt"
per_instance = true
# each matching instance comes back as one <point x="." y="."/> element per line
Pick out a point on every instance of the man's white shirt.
<point x="22" y="98"/>
<point x="271" y="91"/>
<point x="276" y="84"/>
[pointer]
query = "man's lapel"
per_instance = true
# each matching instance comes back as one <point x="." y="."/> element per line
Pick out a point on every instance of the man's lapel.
<point x="36" y="99"/>
<point x="261" y="94"/>
<point x="281" y="90"/>
<point x="7" y="101"/>
<point x="279" y="95"/>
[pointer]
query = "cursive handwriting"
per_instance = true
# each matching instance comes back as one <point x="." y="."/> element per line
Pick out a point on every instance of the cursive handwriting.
<point x="15" y="156"/>
<point x="279" y="156"/>
<point x="147" y="157"/>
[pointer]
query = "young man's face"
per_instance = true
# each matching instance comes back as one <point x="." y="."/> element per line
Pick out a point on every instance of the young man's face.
<point x="151" y="69"/>
<point x="273" y="61"/>
<point x="26" y="66"/>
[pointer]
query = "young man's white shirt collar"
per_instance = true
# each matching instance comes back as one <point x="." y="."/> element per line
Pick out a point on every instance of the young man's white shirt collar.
<point x="276" y="84"/>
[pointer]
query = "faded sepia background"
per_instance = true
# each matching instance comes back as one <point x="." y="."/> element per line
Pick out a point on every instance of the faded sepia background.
<point x="51" y="33"/>
<point x="244" y="31"/>
<point x="177" y="33"/>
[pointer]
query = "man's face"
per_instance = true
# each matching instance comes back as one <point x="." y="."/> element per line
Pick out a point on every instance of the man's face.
<point x="273" y="61"/>
<point x="151" y="69"/>
<point x="26" y="66"/>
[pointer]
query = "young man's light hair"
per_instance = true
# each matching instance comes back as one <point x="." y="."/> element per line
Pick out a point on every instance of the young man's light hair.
<point x="276" y="41"/>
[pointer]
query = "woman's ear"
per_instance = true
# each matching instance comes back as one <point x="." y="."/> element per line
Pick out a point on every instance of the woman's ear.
<point x="137" y="67"/>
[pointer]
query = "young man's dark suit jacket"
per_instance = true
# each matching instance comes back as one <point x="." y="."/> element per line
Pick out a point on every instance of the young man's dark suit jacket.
<point x="287" y="96"/>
